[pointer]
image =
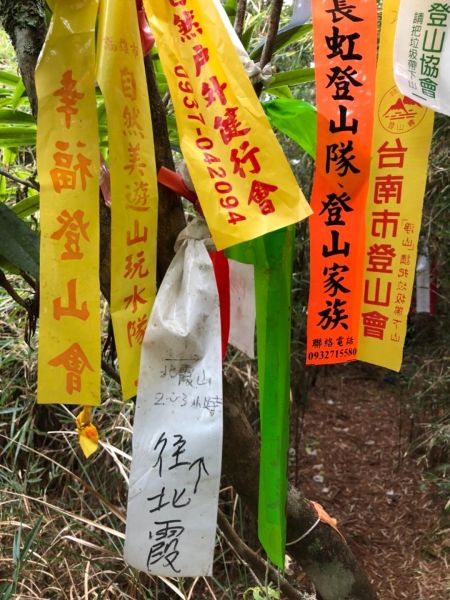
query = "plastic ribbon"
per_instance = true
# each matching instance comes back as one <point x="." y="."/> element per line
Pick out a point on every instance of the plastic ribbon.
<point x="68" y="165"/>
<point x="222" y="274"/>
<point x="422" y="53"/>
<point x="345" y="62"/>
<point x="87" y="432"/>
<point x="240" y="173"/>
<point x="134" y="194"/>
<point x="401" y="143"/>
<point x="147" y="39"/>
<point x="176" y="183"/>
<point x="272" y="256"/>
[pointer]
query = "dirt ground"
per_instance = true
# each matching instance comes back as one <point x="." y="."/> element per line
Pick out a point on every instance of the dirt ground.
<point x="354" y="460"/>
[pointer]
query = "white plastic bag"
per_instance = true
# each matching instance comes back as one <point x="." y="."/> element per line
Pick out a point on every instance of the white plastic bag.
<point x="177" y="437"/>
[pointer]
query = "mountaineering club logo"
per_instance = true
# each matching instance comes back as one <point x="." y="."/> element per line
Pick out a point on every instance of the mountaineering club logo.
<point x="398" y="113"/>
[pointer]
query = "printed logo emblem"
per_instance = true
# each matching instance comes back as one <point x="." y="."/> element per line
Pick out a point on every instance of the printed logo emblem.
<point x="399" y="114"/>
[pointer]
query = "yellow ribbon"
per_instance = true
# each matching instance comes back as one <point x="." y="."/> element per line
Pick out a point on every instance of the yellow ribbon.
<point x="87" y="432"/>
<point x="134" y="191"/>
<point x="401" y="143"/>
<point x="68" y="165"/>
<point x="244" y="183"/>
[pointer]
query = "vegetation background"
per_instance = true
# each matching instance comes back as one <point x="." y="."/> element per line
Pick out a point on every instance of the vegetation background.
<point x="62" y="517"/>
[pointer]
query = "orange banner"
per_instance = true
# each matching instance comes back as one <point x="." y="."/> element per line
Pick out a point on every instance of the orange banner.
<point x="345" y="43"/>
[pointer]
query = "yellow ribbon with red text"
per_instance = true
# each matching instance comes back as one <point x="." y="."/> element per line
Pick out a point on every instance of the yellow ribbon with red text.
<point x="244" y="183"/>
<point x="134" y="192"/>
<point x="68" y="164"/>
<point x="401" y="143"/>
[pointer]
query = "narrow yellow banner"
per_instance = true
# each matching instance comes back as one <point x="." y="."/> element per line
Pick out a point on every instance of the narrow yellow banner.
<point x="68" y="166"/>
<point x="134" y="191"/>
<point x="401" y="143"/>
<point x="242" y="178"/>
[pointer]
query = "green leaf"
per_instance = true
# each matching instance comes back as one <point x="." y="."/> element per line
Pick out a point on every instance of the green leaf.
<point x="295" y="77"/>
<point x="30" y="539"/>
<point x="286" y="35"/>
<point x="27" y="206"/>
<point x="19" y="244"/>
<point x="295" y="118"/>
<point x="283" y="91"/>
<point x="247" y="35"/>
<point x="14" y="137"/>
<point x="230" y="7"/>
<point x="9" y="79"/>
<point x="18" y="93"/>
<point x="9" y="116"/>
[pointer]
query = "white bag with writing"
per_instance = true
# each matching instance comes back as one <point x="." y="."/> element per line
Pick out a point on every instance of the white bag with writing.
<point x="177" y="437"/>
<point x="422" y="54"/>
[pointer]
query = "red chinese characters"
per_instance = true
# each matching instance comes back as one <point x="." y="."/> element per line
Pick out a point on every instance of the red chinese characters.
<point x="384" y="287"/>
<point x="243" y="159"/>
<point x="71" y="172"/>
<point x="74" y="361"/>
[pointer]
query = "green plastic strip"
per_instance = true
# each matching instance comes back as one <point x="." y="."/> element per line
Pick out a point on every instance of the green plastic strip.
<point x="272" y="256"/>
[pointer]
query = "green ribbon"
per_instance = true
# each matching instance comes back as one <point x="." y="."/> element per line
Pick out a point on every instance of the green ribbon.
<point x="272" y="256"/>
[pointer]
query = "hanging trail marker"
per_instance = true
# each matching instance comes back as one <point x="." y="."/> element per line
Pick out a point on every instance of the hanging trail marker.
<point x="177" y="437"/>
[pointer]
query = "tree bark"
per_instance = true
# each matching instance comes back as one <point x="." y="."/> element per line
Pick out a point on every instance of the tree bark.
<point x="324" y="556"/>
<point x="170" y="210"/>
<point x="25" y="25"/>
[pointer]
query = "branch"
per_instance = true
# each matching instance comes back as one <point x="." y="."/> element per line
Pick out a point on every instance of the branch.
<point x="258" y="564"/>
<point x="274" y="23"/>
<point x="25" y="182"/>
<point x="4" y="283"/>
<point x="170" y="210"/>
<point x="240" y="17"/>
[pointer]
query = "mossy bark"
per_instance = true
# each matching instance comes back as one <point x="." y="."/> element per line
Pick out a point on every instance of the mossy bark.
<point x="24" y="22"/>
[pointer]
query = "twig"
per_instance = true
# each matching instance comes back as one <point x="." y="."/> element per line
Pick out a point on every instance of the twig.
<point x="25" y="182"/>
<point x="29" y="280"/>
<point x="4" y="283"/>
<point x="274" y="23"/>
<point x="240" y="16"/>
<point x="259" y="565"/>
<point x="110" y="371"/>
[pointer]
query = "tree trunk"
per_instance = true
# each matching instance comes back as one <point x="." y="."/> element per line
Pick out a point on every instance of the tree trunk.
<point x="322" y="554"/>
<point x="25" y="26"/>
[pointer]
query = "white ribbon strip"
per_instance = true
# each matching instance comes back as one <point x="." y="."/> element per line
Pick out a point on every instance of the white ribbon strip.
<point x="242" y="307"/>
<point x="423" y="287"/>
<point x="422" y="54"/>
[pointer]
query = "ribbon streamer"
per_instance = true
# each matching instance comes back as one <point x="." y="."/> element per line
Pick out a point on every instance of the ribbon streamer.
<point x="422" y="53"/>
<point x="272" y="256"/>
<point x="401" y="143"/>
<point x="68" y="165"/>
<point x="87" y="432"/>
<point x="134" y="194"/>
<point x="243" y="180"/>
<point x="345" y="44"/>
